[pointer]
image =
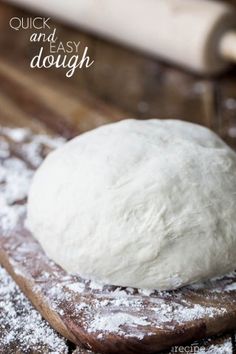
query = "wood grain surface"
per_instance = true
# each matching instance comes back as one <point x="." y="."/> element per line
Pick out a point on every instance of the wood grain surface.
<point x="128" y="82"/>
<point x="76" y="308"/>
<point x="123" y="83"/>
<point x="23" y="330"/>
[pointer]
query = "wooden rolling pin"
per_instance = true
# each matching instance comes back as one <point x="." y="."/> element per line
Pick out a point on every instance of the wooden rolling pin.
<point x="197" y="34"/>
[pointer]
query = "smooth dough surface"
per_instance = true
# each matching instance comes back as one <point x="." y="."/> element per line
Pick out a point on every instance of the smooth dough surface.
<point x="148" y="204"/>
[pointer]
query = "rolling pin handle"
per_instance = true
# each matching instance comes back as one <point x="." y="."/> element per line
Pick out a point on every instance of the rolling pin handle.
<point x="228" y="46"/>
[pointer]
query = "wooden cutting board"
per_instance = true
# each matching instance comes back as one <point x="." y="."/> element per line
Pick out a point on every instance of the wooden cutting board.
<point x="105" y="319"/>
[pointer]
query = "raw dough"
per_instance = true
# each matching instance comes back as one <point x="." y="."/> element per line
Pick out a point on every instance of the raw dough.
<point x="148" y="204"/>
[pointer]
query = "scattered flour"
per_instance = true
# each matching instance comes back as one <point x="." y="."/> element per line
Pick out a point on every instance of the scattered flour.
<point x="4" y="149"/>
<point x="112" y="323"/>
<point x="224" y="348"/>
<point x="77" y="287"/>
<point x="96" y="285"/>
<point x="15" y="177"/>
<point x="21" y="323"/>
<point x="18" y="135"/>
<point x="146" y="292"/>
<point x="231" y="287"/>
<point x="181" y="314"/>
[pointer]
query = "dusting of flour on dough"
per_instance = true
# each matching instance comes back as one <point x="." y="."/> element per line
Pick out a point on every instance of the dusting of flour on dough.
<point x="168" y="309"/>
<point x="149" y="204"/>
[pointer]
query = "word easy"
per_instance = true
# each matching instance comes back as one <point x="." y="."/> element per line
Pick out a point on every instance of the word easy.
<point x="68" y="47"/>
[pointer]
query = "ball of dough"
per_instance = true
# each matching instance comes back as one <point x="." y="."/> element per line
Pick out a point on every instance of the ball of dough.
<point x="149" y="204"/>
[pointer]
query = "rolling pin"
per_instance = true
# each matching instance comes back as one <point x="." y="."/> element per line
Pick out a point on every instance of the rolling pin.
<point x="196" y="34"/>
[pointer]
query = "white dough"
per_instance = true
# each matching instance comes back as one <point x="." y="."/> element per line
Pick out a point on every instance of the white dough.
<point x="149" y="204"/>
